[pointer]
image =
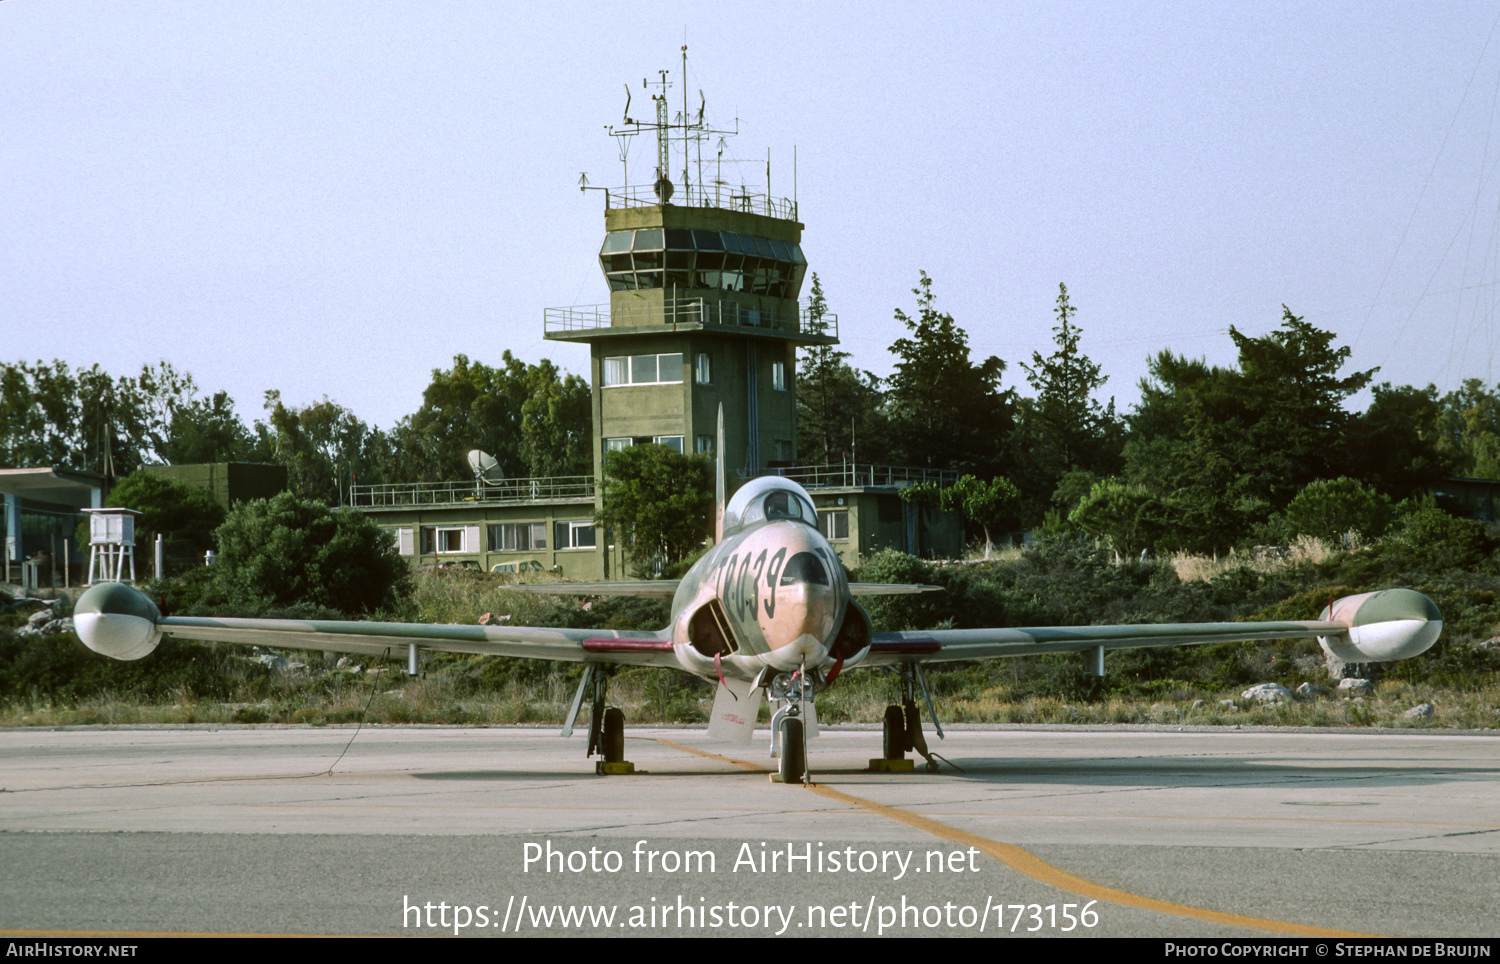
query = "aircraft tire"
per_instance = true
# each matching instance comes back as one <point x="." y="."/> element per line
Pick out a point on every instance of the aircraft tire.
<point x="793" y="764"/>
<point x="614" y="735"/>
<point x="913" y="725"/>
<point x="893" y="743"/>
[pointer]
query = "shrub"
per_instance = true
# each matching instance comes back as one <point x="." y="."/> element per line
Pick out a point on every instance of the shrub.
<point x="1329" y="508"/>
<point x="287" y="551"/>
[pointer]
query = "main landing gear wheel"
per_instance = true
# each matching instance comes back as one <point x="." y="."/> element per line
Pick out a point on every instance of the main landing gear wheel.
<point x="613" y="742"/>
<point x="793" y="764"/>
<point x="895" y="738"/>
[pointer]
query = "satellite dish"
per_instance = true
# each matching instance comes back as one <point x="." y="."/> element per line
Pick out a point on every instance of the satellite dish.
<point x="486" y="469"/>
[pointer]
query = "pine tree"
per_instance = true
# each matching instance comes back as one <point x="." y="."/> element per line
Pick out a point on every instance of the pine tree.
<point x="945" y="412"/>
<point x="1071" y="427"/>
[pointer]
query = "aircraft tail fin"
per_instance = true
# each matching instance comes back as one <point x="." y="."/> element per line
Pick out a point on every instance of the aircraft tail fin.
<point x="719" y="485"/>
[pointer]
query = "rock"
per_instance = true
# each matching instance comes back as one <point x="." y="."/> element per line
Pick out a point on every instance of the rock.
<point x="1352" y="687"/>
<point x="39" y="618"/>
<point x="1268" y="693"/>
<point x="1228" y="706"/>
<point x="1307" y="691"/>
<point x="1309" y="665"/>
<point x="280" y="663"/>
<point x="1419" y="712"/>
<point x="1198" y="704"/>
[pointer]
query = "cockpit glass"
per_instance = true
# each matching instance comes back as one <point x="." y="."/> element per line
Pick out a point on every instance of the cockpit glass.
<point x="779" y="506"/>
<point x="804" y="567"/>
<point x="786" y="505"/>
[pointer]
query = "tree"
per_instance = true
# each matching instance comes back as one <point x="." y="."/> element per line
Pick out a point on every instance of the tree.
<point x="1397" y="444"/>
<point x="944" y="412"/>
<point x="555" y="423"/>
<point x="986" y="504"/>
<point x="1328" y="508"/>
<point x="837" y="406"/>
<point x="324" y="447"/>
<point x="1128" y="516"/>
<point x="474" y="406"/>
<point x="1296" y="397"/>
<point x="1469" y="427"/>
<point x="1065" y="428"/>
<point x="659" y="502"/>
<point x="1072" y="426"/>
<point x="167" y="507"/>
<point x="208" y="430"/>
<point x="1228" y="447"/>
<point x="89" y="420"/>
<point x="287" y="550"/>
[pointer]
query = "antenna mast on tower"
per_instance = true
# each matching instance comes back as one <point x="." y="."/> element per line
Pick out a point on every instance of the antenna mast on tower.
<point x="694" y="130"/>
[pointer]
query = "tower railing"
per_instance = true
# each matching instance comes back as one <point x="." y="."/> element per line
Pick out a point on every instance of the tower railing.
<point x="472" y="492"/>
<point x="720" y="196"/>
<point x="848" y="475"/>
<point x="694" y="312"/>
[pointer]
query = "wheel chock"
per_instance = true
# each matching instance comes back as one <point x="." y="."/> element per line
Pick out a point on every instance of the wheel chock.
<point x="892" y="766"/>
<point x="613" y="769"/>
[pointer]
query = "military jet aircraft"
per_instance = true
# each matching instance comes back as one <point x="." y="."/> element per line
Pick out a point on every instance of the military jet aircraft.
<point x="768" y="610"/>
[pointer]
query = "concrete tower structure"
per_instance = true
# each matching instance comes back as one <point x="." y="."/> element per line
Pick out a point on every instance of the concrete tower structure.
<point x="704" y="284"/>
<point x="703" y="312"/>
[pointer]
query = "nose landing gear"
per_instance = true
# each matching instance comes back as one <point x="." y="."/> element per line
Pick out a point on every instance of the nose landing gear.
<point x="788" y="727"/>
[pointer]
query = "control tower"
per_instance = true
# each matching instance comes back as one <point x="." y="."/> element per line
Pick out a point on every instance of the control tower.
<point x="704" y="280"/>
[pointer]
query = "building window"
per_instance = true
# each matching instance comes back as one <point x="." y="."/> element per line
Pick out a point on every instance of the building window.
<point x="441" y="539"/>
<point x="778" y="376"/>
<point x="404" y="543"/>
<point x="705" y="445"/>
<point x="517" y="536"/>
<point x="783" y="451"/>
<point x="834" y="523"/>
<point x="574" y="535"/>
<point x="703" y="370"/>
<point x="673" y="442"/>
<point x="643" y="370"/>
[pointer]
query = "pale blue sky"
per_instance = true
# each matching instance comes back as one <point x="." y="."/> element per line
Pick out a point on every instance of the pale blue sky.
<point x="335" y="198"/>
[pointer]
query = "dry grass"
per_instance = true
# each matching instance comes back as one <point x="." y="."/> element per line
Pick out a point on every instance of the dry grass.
<point x="462" y="597"/>
<point x="663" y="696"/>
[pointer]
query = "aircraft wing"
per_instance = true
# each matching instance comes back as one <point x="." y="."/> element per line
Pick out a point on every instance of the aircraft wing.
<point x="650" y="588"/>
<point x="946" y="645"/>
<point x="889" y="588"/>
<point x="667" y="588"/>
<point x="117" y="621"/>
<point x="1369" y="627"/>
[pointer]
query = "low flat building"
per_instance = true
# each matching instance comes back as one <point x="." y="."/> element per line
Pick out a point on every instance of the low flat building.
<point x="230" y="482"/>
<point x="43" y="507"/>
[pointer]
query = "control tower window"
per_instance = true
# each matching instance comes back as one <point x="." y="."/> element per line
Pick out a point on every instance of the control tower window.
<point x="643" y="370"/>
<point x="778" y="376"/>
<point x="703" y="370"/>
<point x="698" y="259"/>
